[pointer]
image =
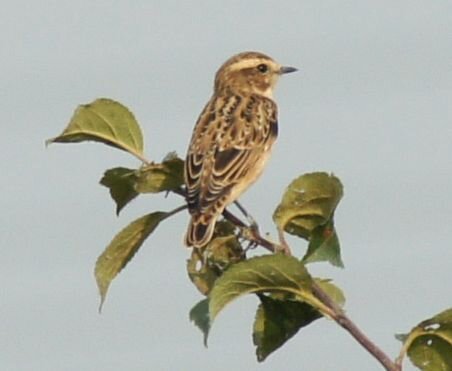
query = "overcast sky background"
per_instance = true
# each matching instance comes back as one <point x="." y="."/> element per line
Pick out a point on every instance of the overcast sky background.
<point x="371" y="103"/>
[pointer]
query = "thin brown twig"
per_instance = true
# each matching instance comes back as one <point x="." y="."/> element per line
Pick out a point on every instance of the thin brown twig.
<point x="345" y="322"/>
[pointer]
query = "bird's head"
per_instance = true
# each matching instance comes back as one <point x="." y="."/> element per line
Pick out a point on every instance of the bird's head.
<point x="249" y="72"/>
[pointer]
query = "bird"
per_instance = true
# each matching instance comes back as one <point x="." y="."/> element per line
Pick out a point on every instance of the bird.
<point x="231" y="141"/>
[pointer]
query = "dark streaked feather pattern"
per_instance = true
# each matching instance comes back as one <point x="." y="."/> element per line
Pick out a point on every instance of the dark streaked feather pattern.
<point x="231" y="136"/>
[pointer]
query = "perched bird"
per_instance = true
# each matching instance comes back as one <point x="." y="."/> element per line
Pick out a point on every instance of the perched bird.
<point x="231" y="141"/>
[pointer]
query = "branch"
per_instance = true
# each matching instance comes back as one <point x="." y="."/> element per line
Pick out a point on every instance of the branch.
<point x="340" y="317"/>
<point x="345" y="322"/>
<point x="337" y="314"/>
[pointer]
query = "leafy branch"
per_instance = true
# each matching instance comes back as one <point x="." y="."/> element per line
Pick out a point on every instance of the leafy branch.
<point x="290" y="298"/>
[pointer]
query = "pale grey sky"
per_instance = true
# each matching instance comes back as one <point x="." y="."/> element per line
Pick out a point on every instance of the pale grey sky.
<point x="371" y="103"/>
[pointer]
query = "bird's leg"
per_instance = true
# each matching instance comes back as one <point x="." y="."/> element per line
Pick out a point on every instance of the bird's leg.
<point x="249" y="233"/>
<point x="251" y="245"/>
<point x="251" y="220"/>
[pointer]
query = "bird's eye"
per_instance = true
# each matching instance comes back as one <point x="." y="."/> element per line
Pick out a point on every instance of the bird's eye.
<point x="263" y="68"/>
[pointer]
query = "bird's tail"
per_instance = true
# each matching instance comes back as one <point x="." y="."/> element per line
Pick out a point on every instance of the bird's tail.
<point x="200" y="231"/>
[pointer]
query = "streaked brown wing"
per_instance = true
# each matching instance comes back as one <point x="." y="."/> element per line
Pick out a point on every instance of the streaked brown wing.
<point x="230" y="137"/>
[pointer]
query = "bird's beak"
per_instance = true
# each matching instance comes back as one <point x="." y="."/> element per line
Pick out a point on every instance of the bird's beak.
<point x="285" y="69"/>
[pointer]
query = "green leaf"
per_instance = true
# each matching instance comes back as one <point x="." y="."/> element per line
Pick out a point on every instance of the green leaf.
<point x="125" y="184"/>
<point x="306" y="210"/>
<point x="324" y="246"/>
<point x="429" y="344"/>
<point x="308" y="202"/>
<point x="122" y="249"/>
<point x="199" y="315"/>
<point x="279" y="318"/>
<point x="264" y="274"/>
<point x="121" y="182"/>
<point x="167" y="176"/>
<point x="277" y="321"/>
<point x="105" y="121"/>
<point x="431" y="353"/>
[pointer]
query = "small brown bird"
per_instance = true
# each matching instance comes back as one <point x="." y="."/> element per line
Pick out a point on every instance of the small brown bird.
<point x="231" y="141"/>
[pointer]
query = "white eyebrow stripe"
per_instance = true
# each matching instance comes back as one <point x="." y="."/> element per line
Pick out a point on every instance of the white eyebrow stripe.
<point x="253" y="62"/>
